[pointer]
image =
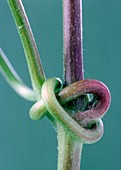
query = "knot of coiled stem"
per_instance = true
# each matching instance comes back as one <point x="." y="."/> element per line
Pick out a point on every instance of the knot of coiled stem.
<point x="86" y="126"/>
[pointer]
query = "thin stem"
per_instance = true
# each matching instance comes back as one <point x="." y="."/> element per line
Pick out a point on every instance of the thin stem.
<point x="70" y="158"/>
<point x="14" y="80"/>
<point x="29" y="45"/>
<point x="73" y="56"/>
<point x="69" y="151"/>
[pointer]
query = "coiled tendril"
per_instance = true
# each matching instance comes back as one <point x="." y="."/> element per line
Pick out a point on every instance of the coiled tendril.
<point x="54" y="96"/>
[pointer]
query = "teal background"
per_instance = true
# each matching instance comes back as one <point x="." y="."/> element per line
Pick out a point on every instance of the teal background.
<point x="29" y="145"/>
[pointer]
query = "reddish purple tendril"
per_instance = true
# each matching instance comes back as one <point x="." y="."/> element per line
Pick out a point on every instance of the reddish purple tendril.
<point x="94" y="87"/>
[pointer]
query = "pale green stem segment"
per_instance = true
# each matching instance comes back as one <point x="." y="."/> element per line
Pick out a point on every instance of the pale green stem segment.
<point x="14" y="80"/>
<point x="29" y="45"/>
<point x="69" y="151"/>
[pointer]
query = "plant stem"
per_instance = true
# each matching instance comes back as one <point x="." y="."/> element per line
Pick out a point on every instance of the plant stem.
<point x="29" y="45"/>
<point x="69" y="150"/>
<point x="73" y="40"/>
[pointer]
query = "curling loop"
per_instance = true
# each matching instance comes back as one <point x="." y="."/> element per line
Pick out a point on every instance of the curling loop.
<point x="53" y="97"/>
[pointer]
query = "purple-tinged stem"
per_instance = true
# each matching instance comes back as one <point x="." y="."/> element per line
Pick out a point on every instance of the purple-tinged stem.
<point x="73" y="54"/>
<point x="69" y="150"/>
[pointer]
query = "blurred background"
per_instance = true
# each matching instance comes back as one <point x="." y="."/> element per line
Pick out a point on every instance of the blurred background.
<point x="29" y="145"/>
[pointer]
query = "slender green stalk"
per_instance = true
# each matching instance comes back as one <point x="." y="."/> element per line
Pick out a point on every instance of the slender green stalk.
<point x="29" y="45"/>
<point x="69" y="151"/>
<point x="14" y="80"/>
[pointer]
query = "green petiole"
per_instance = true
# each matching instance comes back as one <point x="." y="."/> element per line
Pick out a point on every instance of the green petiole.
<point x="29" y="45"/>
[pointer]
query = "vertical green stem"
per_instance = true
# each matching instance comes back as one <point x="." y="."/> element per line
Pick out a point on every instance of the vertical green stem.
<point x="69" y="150"/>
<point x="29" y="45"/>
